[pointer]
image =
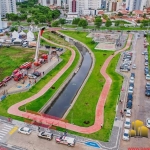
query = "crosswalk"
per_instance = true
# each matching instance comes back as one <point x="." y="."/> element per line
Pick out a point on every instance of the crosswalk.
<point x="5" y="130"/>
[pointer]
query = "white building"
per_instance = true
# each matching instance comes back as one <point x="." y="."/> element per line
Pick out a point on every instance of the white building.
<point x="21" y="0"/>
<point x="0" y="18"/>
<point x="91" y="7"/>
<point x="135" y="4"/>
<point x="54" y="2"/>
<point x="8" y="6"/>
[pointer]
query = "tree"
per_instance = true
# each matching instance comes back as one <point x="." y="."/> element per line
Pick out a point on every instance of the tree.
<point x="105" y="16"/>
<point x="62" y="21"/>
<point x="108" y="23"/>
<point x="55" y="24"/>
<point x="98" y="22"/>
<point x="144" y="16"/>
<point x="28" y="20"/>
<point x="120" y="14"/>
<point x="141" y="25"/>
<point x="117" y="23"/>
<point x="76" y="21"/>
<point x="36" y="21"/>
<point x="83" y="23"/>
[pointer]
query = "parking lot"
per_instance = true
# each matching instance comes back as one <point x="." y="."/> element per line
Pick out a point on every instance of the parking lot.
<point x="141" y="103"/>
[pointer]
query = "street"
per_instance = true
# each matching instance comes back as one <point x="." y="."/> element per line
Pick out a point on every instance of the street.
<point x="141" y="103"/>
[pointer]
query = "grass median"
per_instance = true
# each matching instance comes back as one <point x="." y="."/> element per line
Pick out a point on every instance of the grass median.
<point x="85" y="106"/>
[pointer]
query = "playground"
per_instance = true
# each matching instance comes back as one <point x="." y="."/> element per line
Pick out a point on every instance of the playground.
<point x="106" y="41"/>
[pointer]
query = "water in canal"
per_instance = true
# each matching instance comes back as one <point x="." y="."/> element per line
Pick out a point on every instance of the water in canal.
<point x="65" y="98"/>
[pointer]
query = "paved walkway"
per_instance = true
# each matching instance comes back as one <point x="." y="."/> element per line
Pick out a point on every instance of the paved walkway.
<point x="99" y="117"/>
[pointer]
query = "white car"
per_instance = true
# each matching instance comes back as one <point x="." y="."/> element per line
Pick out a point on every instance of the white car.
<point x="24" y="130"/>
<point x="66" y="140"/>
<point x="128" y="112"/>
<point x="126" y="135"/>
<point x="143" y="53"/>
<point x="32" y="76"/>
<point x="131" y="80"/>
<point x="134" y="66"/>
<point x="146" y="63"/>
<point x="147" y="77"/>
<point x="127" y="123"/>
<point x="148" y="122"/>
<point x="130" y="90"/>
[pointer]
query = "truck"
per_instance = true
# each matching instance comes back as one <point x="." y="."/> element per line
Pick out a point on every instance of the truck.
<point x="19" y="74"/>
<point x="45" y="57"/>
<point x="26" y="65"/>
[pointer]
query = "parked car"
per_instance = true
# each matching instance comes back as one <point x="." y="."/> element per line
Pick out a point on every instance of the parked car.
<point x="129" y="104"/>
<point x="131" y="85"/>
<point x="143" y="53"/>
<point x="36" y="73"/>
<point x="132" y="75"/>
<point x="131" y="80"/>
<point x="66" y="140"/>
<point x="130" y="90"/>
<point x="148" y="122"/>
<point x="24" y="130"/>
<point x="129" y="97"/>
<point x="45" y="135"/>
<point x="147" y="77"/>
<point x="147" y="85"/>
<point x="1" y="84"/>
<point x="32" y="76"/>
<point x="127" y="123"/>
<point x="146" y="63"/>
<point x="126" y="135"/>
<point x="134" y="66"/>
<point x="6" y="79"/>
<point x="128" y="112"/>
<point x="146" y="72"/>
<point x="147" y="91"/>
<point x="146" y="68"/>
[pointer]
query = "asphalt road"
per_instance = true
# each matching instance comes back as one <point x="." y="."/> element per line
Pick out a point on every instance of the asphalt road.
<point x="141" y="103"/>
<point x="33" y="142"/>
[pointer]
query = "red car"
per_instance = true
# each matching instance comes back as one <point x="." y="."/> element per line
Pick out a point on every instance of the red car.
<point x="6" y="79"/>
<point x="1" y="84"/>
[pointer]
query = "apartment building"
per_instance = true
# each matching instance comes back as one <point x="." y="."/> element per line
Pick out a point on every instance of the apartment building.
<point x="8" y="6"/>
<point x="91" y="7"/>
<point x="53" y="2"/>
<point x="135" y="4"/>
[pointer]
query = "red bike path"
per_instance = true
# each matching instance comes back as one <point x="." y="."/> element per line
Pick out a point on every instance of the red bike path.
<point x="99" y="116"/>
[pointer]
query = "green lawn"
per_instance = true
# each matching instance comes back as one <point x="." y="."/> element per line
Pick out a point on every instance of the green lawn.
<point x="84" y="108"/>
<point x="14" y="57"/>
<point x="37" y="104"/>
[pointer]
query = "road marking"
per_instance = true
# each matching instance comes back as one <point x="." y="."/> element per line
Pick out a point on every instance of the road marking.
<point x="9" y="126"/>
<point x="13" y="130"/>
<point x="3" y="133"/>
<point x="5" y="129"/>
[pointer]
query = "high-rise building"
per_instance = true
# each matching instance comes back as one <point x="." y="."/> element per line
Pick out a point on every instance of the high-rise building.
<point x="91" y="7"/>
<point x="135" y="4"/>
<point x="0" y="18"/>
<point x="8" y="6"/>
<point x="147" y="3"/>
<point x="53" y="2"/>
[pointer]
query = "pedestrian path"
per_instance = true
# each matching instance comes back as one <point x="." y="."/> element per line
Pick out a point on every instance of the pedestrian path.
<point x="5" y="131"/>
<point x="99" y="114"/>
